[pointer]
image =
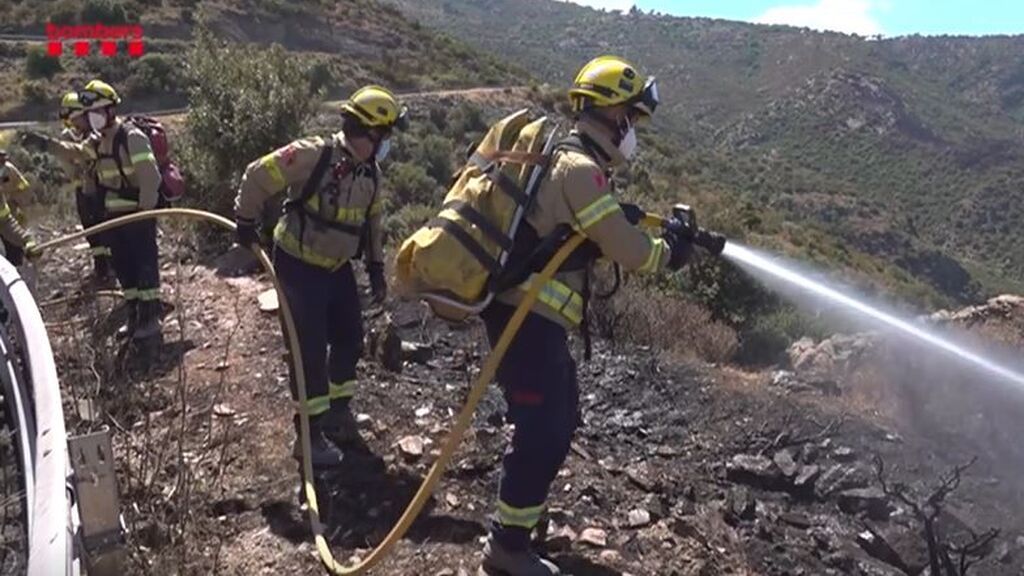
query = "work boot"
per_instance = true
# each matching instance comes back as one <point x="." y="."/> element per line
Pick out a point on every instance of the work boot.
<point x="128" y="328"/>
<point x="340" y="426"/>
<point x="499" y="561"/>
<point x="148" y="320"/>
<point x="323" y="452"/>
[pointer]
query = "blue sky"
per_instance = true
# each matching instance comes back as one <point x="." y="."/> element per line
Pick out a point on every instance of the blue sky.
<point x="887" y="17"/>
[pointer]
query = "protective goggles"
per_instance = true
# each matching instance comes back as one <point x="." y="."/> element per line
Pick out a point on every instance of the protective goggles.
<point x="89" y="98"/>
<point x="647" y="100"/>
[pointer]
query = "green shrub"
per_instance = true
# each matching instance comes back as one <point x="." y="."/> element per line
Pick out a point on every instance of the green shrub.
<point x="410" y="184"/>
<point x="245" y="102"/>
<point x="64" y="12"/>
<point x="39" y="64"/>
<point x="34" y="92"/>
<point x="154" y="74"/>
<point x="108" y="12"/>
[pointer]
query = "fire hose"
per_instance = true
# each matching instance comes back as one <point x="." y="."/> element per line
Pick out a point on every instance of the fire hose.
<point x="454" y="436"/>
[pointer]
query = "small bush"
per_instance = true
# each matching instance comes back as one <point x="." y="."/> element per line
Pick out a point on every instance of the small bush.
<point x="410" y="184"/>
<point x="401" y="221"/>
<point x="154" y="74"/>
<point x="39" y="64"/>
<point x="34" y="92"/>
<point x="649" y="316"/>
<point x="245" y="102"/>
<point x="108" y="12"/>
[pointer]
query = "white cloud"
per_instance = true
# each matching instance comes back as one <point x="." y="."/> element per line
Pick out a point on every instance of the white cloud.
<point x="850" y="16"/>
<point x="620" y="5"/>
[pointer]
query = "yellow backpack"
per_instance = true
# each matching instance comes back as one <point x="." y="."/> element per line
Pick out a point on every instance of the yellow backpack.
<point x="455" y="261"/>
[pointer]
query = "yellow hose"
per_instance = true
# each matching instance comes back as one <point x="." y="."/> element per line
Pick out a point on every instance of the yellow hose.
<point x="463" y="421"/>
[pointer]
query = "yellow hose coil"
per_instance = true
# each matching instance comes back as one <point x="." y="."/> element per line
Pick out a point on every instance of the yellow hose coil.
<point x="463" y="421"/>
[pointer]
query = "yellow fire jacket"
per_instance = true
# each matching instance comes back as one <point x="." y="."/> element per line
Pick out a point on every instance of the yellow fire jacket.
<point x="345" y="207"/>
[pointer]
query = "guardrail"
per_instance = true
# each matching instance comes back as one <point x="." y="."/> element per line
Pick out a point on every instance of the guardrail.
<point x="29" y="377"/>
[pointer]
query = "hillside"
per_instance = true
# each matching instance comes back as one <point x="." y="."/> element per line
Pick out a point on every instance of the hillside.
<point x="908" y="148"/>
<point x="346" y="43"/>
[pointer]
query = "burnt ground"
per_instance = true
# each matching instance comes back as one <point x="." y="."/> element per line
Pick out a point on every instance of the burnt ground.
<point x="680" y="468"/>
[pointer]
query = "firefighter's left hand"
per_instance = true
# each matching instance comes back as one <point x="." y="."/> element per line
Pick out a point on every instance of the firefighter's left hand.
<point x="33" y="252"/>
<point x="378" y="284"/>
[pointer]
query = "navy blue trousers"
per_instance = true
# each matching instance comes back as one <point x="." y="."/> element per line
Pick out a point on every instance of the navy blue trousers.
<point x="326" y="310"/>
<point x="538" y="378"/>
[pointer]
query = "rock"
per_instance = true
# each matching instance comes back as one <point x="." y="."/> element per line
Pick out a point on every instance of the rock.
<point x="237" y="261"/>
<point x="873" y="501"/>
<point x="806" y="478"/>
<point x="268" y="301"/>
<point x="754" y="470"/>
<point x="784" y="460"/>
<point x="796" y="520"/>
<point x="638" y="518"/>
<point x="383" y="343"/>
<point x="739" y="505"/>
<point x="417" y="352"/>
<point x="640" y="475"/>
<point x="609" y="556"/>
<point x="452" y="500"/>
<point x="809" y="453"/>
<point x="422" y="411"/>
<point x="595" y="537"/>
<point x="561" y="538"/>
<point x="1004" y="553"/>
<point x="412" y="446"/>
<point x="223" y="410"/>
<point x="844" y="454"/>
<point x="840" y="477"/>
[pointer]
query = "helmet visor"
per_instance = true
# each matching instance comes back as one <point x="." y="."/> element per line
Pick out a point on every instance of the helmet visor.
<point x="647" y="100"/>
<point x="402" y="122"/>
<point x="89" y="98"/>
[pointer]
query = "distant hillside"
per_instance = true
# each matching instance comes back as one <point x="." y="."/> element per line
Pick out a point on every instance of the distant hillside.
<point x="910" y="148"/>
<point x="348" y="42"/>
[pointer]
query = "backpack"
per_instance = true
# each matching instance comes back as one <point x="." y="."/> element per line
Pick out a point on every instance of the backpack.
<point x="459" y="260"/>
<point x="172" y="183"/>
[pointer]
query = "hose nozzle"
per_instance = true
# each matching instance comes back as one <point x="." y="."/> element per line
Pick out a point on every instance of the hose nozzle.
<point x="684" y="221"/>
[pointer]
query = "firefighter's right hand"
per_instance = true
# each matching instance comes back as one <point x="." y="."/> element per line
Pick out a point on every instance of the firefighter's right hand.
<point x="681" y="249"/>
<point x="35" y="140"/>
<point x="247" y="233"/>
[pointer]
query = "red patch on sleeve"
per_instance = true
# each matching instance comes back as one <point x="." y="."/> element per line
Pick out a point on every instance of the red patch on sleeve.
<point x="600" y="179"/>
<point x="288" y="155"/>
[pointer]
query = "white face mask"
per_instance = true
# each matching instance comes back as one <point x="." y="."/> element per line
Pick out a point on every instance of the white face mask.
<point x="97" y="121"/>
<point x="628" y="143"/>
<point x="383" y="149"/>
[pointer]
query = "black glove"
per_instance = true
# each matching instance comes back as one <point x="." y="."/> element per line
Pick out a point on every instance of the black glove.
<point x="247" y="234"/>
<point x="680" y="248"/>
<point x="633" y="213"/>
<point x="713" y="242"/>
<point x="35" y="140"/>
<point x="378" y="285"/>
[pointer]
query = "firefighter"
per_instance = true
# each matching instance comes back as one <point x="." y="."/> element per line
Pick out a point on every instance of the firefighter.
<point x="18" y="242"/>
<point x="332" y="215"/>
<point x="538" y="374"/>
<point x="121" y="167"/>
<point x="87" y="201"/>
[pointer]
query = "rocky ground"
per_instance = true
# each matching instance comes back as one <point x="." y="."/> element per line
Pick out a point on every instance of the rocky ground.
<point x="681" y="468"/>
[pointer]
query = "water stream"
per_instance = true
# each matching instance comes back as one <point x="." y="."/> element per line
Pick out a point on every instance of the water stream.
<point x="773" y="271"/>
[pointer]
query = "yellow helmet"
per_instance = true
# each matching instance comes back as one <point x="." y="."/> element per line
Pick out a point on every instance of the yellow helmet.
<point x="375" y="106"/>
<point x="610" y="81"/>
<point x="70" y="104"/>
<point x="98" y="94"/>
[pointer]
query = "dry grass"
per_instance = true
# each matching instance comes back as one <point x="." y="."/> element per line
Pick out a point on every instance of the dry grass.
<point x="647" y="316"/>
